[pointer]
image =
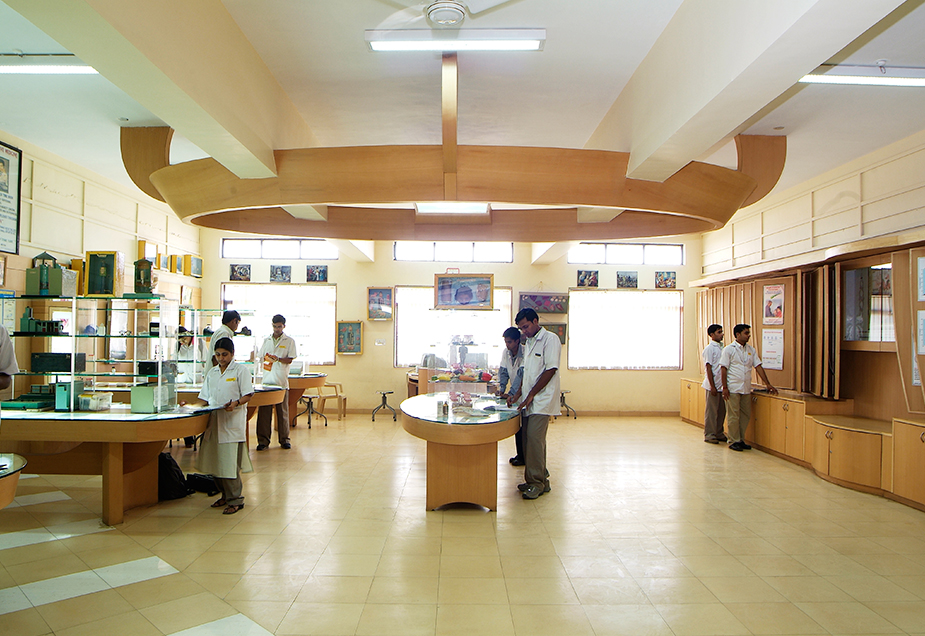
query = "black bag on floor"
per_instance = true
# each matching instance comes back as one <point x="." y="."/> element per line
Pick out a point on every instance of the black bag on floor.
<point x="170" y="481"/>
<point x="202" y="483"/>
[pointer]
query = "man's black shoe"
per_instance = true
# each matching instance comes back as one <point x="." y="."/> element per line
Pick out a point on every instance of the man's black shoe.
<point x="261" y="447"/>
<point x="286" y="445"/>
<point x="516" y="461"/>
<point x="737" y="446"/>
<point x="746" y="446"/>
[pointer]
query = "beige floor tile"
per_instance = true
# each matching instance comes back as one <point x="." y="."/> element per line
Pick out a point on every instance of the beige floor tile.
<point x="32" y="553"/>
<point x="259" y="587"/>
<point x="625" y="591"/>
<point x="102" y="557"/>
<point x="848" y="618"/>
<point x="217" y="584"/>
<point x="907" y="616"/>
<point x="654" y="567"/>
<point x="408" y="590"/>
<point x="243" y="543"/>
<point x="774" y="618"/>
<point x="471" y="620"/>
<point x="27" y="622"/>
<point x="872" y="588"/>
<point x="346" y="565"/>
<point x="159" y="590"/>
<point x="519" y="546"/>
<point x="701" y="620"/>
<point x="472" y="591"/>
<point x="715" y="566"/>
<point x="469" y="546"/>
<point x="279" y="563"/>
<point x="555" y="620"/>
<point x="412" y="546"/>
<point x="471" y="567"/>
<point x="540" y="591"/>
<point x="84" y="609"/>
<point x="335" y="589"/>
<point x="328" y="619"/>
<point x="119" y="625"/>
<point x="187" y="612"/>
<point x="532" y="567"/>
<point x="180" y="559"/>
<point x="915" y="584"/>
<point x="627" y="620"/>
<point x="742" y="589"/>
<point x="267" y="614"/>
<point x="397" y="620"/>
<point x="695" y="546"/>
<point x="672" y="591"/>
<point x="408" y="565"/>
<point x="807" y="589"/>
<point x="775" y="565"/>
<point x="47" y="568"/>
<point x="224" y="562"/>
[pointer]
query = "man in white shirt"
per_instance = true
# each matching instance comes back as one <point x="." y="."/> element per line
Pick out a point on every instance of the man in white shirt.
<point x="512" y="370"/>
<point x="737" y="362"/>
<point x="542" y="351"/>
<point x="715" y="410"/>
<point x="276" y="354"/>
<point x="230" y="321"/>
<point x="8" y="364"/>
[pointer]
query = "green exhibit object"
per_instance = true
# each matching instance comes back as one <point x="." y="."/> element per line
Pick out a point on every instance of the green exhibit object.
<point x="47" y="278"/>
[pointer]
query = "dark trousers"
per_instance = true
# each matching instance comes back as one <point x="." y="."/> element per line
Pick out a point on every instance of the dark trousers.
<point x="714" y="413"/>
<point x="265" y="421"/>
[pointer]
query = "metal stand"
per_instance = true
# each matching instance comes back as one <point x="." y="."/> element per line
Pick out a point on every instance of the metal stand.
<point x="385" y="404"/>
<point x="310" y="408"/>
<point x="566" y="406"/>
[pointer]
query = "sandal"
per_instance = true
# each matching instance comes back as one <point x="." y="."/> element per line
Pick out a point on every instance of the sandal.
<point x="218" y="504"/>
<point x="230" y="510"/>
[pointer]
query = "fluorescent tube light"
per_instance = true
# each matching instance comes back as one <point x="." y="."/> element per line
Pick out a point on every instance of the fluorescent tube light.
<point x="43" y="64"/>
<point x="853" y="75"/>
<point x="451" y="207"/>
<point x="20" y="69"/>
<point x="456" y="40"/>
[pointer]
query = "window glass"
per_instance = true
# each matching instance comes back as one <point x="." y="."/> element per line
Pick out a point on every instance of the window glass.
<point x="281" y="250"/>
<point x="315" y="249"/>
<point x="493" y="253"/>
<point x="459" y="251"/>
<point x="664" y="254"/>
<point x="624" y="254"/>
<point x="414" y="250"/>
<point x="645" y="328"/>
<point x="240" y="248"/>
<point x="589" y="253"/>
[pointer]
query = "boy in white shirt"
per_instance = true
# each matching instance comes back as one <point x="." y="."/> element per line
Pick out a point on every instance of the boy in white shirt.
<point x="715" y="410"/>
<point x="737" y="362"/>
<point x="276" y="354"/>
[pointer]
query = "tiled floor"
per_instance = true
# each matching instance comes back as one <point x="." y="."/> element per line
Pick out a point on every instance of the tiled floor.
<point x="647" y="531"/>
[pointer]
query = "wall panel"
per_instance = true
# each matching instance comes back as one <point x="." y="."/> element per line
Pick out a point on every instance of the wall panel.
<point x="57" y="189"/>
<point x="109" y="208"/>
<point x="836" y="198"/>
<point x="55" y="232"/>
<point x="893" y="176"/>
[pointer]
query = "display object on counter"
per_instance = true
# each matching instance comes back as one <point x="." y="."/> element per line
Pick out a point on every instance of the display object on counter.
<point x="47" y="278"/>
<point x="63" y="394"/>
<point x="104" y="274"/>
<point x="149" y="367"/>
<point x="94" y="401"/>
<point x="153" y="398"/>
<point x="45" y="362"/>
<point x="29" y="325"/>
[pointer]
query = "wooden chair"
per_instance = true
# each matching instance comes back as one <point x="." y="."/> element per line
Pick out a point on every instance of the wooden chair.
<point x="333" y="391"/>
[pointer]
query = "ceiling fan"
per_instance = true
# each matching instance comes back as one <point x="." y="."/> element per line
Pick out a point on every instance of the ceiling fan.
<point x="441" y="14"/>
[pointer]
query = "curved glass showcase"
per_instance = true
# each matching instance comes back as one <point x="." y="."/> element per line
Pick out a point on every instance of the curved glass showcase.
<point x="485" y="409"/>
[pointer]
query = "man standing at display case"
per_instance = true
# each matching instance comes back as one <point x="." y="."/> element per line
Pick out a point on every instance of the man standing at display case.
<point x="715" y="411"/>
<point x="512" y="370"/>
<point x="276" y="354"/>
<point x="542" y="351"/>
<point x="737" y="362"/>
<point x="8" y="364"/>
<point x="230" y="321"/>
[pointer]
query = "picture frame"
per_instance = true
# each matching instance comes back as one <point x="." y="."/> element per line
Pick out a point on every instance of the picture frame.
<point x="772" y="310"/>
<point x="2" y="270"/>
<point x="350" y="337"/>
<point x="666" y="280"/>
<point x="162" y="262"/>
<point x="104" y="274"/>
<point x="176" y="264"/>
<point x="545" y="302"/>
<point x="280" y="273"/>
<point x="379" y="303"/>
<point x="587" y="277"/>
<point x="464" y="291"/>
<point x="316" y="273"/>
<point x="192" y="266"/>
<point x="558" y="328"/>
<point x="147" y="251"/>
<point x="10" y="199"/>
<point x="240" y="272"/>
<point x="186" y="295"/>
<point x="627" y="280"/>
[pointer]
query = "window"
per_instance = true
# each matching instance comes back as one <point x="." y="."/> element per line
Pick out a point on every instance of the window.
<point x="454" y="251"/>
<point x="623" y="329"/>
<point x="420" y="329"/>
<point x="279" y="249"/>
<point x="626" y="254"/>
<point x="308" y="309"/>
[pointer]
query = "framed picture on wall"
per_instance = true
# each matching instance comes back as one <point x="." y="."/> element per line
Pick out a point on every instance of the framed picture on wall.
<point x="627" y="280"/>
<point x="316" y="273"/>
<point x="162" y="262"/>
<point x="772" y="309"/>
<point x="557" y="328"/>
<point x="464" y="291"/>
<point x="240" y="272"/>
<point x="350" y="337"/>
<point x="379" y="303"/>
<point x="280" y="273"/>
<point x="544" y="302"/>
<point x="587" y="278"/>
<point x="10" y="171"/>
<point x="666" y="280"/>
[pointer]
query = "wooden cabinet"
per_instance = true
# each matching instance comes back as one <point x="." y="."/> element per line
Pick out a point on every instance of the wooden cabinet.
<point x="851" y="456"/>
<point x="794" y="416"/>
<point x="692" y="401"/>
<point x="909" y="460"/>
<point x="686" y="399"/>
<point x="778" y="425"/>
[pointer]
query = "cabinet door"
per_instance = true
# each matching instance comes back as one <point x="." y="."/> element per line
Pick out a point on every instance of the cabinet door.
<point x="761" y="421"/>
<point x="685" y="400"/>
<point x="777" y="424"/>
<point x="795" y="416"/>
<point x="855" y="457"/>
<point x="821" y="448"/>
<point x="698" y="403"/>
<point x="909" y="461"/>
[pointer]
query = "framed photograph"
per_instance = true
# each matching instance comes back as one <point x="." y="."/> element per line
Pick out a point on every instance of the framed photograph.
<point x="464" y="291"/>
<point x="192" y="265"/>
<point x="280" y="273"/>
<point x="186" y="295"/>
<point x="379" y="303"/>
<point x="176" y="264"/>
<point x="240" y="272"/>
<point x="104" y="274"/>
<point x="587" y="278"/>
<point x="544" y="302"/>
<point x="148" y="251"/>
<point x="557" y="328"/>
<point x="10" y="182"/>
<point x="162" y="262"/>
<point x="316" y="273"/>
<point x="627" y="280"/>
<point x="350" y="337"/>
<point x="666" y="280"/>
<point x="2" y="270"/>
<point x="773" y="311"/>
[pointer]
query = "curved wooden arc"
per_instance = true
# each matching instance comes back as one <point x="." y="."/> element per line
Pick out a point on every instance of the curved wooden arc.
<point x="145" y="151"/>
<point x="762" y="157"/>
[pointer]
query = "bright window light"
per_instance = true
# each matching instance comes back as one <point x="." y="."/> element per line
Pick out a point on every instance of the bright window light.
<point x="414" y="250"/>
<point x="493" y="253"/>
<point x="24" y="69"/>
<point x="624" y="254"/>
<point x="319" y="249"/>
<point x="664" y="255"/>
<point x="281" y="250"/>
<point x="587" y="253"/>
<point x="451" y="207"/>
<point x="449" y="251"/>
<point x="241" y="248"/>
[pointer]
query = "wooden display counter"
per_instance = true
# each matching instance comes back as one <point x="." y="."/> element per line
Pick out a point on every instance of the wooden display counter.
<point x="121" y="446"/>
<point x="462" y="448"/>
<point x="297" y="386"/>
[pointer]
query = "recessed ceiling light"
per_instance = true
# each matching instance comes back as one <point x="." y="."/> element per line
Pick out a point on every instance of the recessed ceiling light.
<point x="19" y="63"/>
<point x="451" y="207"/>
<point x="857" y="75"/>
<point x="456" y="40"/>
<point x="778" y="127"/>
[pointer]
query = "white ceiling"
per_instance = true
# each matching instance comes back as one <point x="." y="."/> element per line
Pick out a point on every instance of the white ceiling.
<point x="348" y="95"/>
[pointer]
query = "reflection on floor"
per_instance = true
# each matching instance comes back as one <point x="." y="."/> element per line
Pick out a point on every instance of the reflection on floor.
<point x="647" y="531"/>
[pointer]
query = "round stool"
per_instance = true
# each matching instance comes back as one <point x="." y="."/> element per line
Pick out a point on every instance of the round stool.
<point x="385" y="405"/>
<point x="566" y="406"/>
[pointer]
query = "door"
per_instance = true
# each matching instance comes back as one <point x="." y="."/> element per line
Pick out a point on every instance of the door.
<point x="821" y="448"/>
<point x="685" y="399"/>
<point x="794" y="423"/>
<point x="777" y="425"/>
<point x="855" y="457"/>
<point x="759" y="431"/>
<point x="909" y="461"/>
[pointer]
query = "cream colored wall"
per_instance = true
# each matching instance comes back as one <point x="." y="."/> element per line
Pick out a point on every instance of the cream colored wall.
<point x="68" y="210"/>
<point x="362" y="376"/>
<point x="879" y="196"/>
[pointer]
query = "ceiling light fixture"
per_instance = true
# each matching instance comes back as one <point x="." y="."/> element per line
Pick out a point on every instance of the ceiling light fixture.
<point x="18" y="63"/>
<point x="451" y="207"/>
<point x="456" y="40"/>
<point x="857" y="75"/>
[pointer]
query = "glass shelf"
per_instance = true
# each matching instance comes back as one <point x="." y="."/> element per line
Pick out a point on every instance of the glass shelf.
<point x="21" y="334"/>
<point x="86" y="374"/>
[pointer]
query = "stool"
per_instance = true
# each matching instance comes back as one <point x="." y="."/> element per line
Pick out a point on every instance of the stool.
<point x="385" y="404"/>
<point x="566" y="406"/>
<point x="306" y="399"/>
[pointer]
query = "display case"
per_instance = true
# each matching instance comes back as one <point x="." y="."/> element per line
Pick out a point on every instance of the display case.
<point x="80" y="347"/>
<point x="200" y="324"/>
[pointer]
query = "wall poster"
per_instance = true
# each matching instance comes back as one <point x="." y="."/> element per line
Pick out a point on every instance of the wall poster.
<point x="920" y="269"/>
<point x="916" y="378"/>
<point x="773" y="312"/>
<point x="772" y="349"/>
<point x="920" y="331"/>
<point x="10" y="170"/>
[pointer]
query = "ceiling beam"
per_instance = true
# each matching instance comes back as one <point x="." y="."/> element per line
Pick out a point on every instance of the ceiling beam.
<point x="716" y="64"/>
<point x="450" y="117"/>
<point x="205" y="81"/>
<point x="598" y="215"/>
<point x="307" y="212"/>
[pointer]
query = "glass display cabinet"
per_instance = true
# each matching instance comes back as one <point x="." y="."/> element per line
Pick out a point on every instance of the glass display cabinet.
<point x="200" y="324"/>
